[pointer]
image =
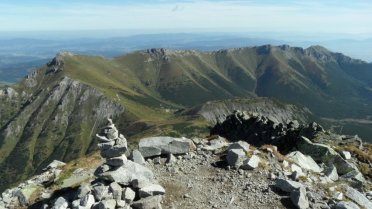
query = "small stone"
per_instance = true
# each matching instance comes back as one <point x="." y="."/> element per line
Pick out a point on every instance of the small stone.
<point x="55" y="164"/>
<point x="120" y="203"/>
<point x="107" y="204"/>
<point x="157" y="160"/>
<point x="152" y="202"/>
<point x="287" y="185"/>
<point x="171" y="159"/>
<point x="331" y="173"/>
<point x="298" y="198"/>
<point x="116" y="190"/>
<point x="272" y="176"/>
<point x="75" y="204"/>
<point x="338" y="196"/>
<point x="60" y="203"/>
<point x="235" y="157"/>
<point x="346" y="155"/>
<point x="87" y="201"/>
<point x="239" y="145"/>
<point x="251" y="163"/>
<point x="137" y="157"/>
<point x="100" y="191"/>
<point x="151" y="190"/>
<point x="117" y="161"/>
<point x="128" y="195"/>
<point x="83" y="190"/>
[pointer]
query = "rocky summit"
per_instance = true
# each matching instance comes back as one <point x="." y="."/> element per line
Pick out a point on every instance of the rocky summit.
<point x="244" y="163"/>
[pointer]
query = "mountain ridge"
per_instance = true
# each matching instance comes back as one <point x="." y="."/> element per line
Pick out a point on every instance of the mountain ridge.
<point x="152" y="84"/>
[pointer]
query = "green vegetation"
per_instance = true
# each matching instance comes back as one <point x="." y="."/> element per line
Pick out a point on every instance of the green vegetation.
<point x="59" y="108"/>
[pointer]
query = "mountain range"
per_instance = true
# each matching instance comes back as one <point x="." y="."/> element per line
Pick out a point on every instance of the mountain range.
<point x="54" y="111"/>
<point x="20" y="54"/>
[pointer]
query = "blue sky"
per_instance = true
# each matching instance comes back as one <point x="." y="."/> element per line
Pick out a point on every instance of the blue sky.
<point x="352" y="18"/>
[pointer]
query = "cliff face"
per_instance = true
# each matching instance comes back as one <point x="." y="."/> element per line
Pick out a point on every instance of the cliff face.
<point x="54" y="118"/>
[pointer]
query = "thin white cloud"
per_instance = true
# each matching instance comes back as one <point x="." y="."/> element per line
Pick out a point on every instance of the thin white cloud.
<point x="300" y="16"/>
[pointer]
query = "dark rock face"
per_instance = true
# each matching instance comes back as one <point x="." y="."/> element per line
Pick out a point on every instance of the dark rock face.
<point x="259" y="130"/>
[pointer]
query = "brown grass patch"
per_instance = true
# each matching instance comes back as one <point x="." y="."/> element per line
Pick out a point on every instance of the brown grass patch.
<point x="275" y="152"/>
<point x="364" y="156"/>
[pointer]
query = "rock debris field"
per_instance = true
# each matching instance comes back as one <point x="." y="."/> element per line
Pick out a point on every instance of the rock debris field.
<point x="198" y="173"/>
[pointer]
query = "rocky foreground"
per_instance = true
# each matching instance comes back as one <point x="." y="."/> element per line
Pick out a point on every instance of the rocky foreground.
<point x="265" y="165"/>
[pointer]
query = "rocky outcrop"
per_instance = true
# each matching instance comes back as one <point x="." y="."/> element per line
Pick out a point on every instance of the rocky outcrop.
<point x="155" y="146"/>
<point x="21" y="195"/>
<point x="217" y="111"/>
<point x="325" y="154"/>
<point x="259" y="130"/>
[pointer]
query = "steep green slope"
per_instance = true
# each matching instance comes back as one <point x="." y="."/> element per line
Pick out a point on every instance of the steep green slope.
<point x="52" y="113"/>
<point x="313" y="77"/>
<point x="55" y="119"/>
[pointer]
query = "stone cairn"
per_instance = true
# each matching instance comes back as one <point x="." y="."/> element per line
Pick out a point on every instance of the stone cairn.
<point x="113" y="146"/>
<point x="120" y="183"/>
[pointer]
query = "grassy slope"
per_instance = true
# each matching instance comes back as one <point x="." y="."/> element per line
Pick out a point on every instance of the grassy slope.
<point x="151" y="85"/>
<point x="177" y="79"/>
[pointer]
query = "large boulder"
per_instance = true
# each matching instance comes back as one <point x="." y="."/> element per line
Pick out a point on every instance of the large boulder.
<point x="215" y="144"/>
<point x="155" y="146"/>
<point x="346" y="205"/>
<point x="355" y="174"/>
<point x="325" y="154"/>
<point x="305" y="162"/>
<point x="358" y="197"/>
<point x="128" y="172"/>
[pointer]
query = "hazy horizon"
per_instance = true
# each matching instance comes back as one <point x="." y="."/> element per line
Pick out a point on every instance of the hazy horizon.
<point x="327" y="19"/>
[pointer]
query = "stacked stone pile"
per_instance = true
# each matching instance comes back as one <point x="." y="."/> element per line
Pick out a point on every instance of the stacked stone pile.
<point x="120" y="183"/>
